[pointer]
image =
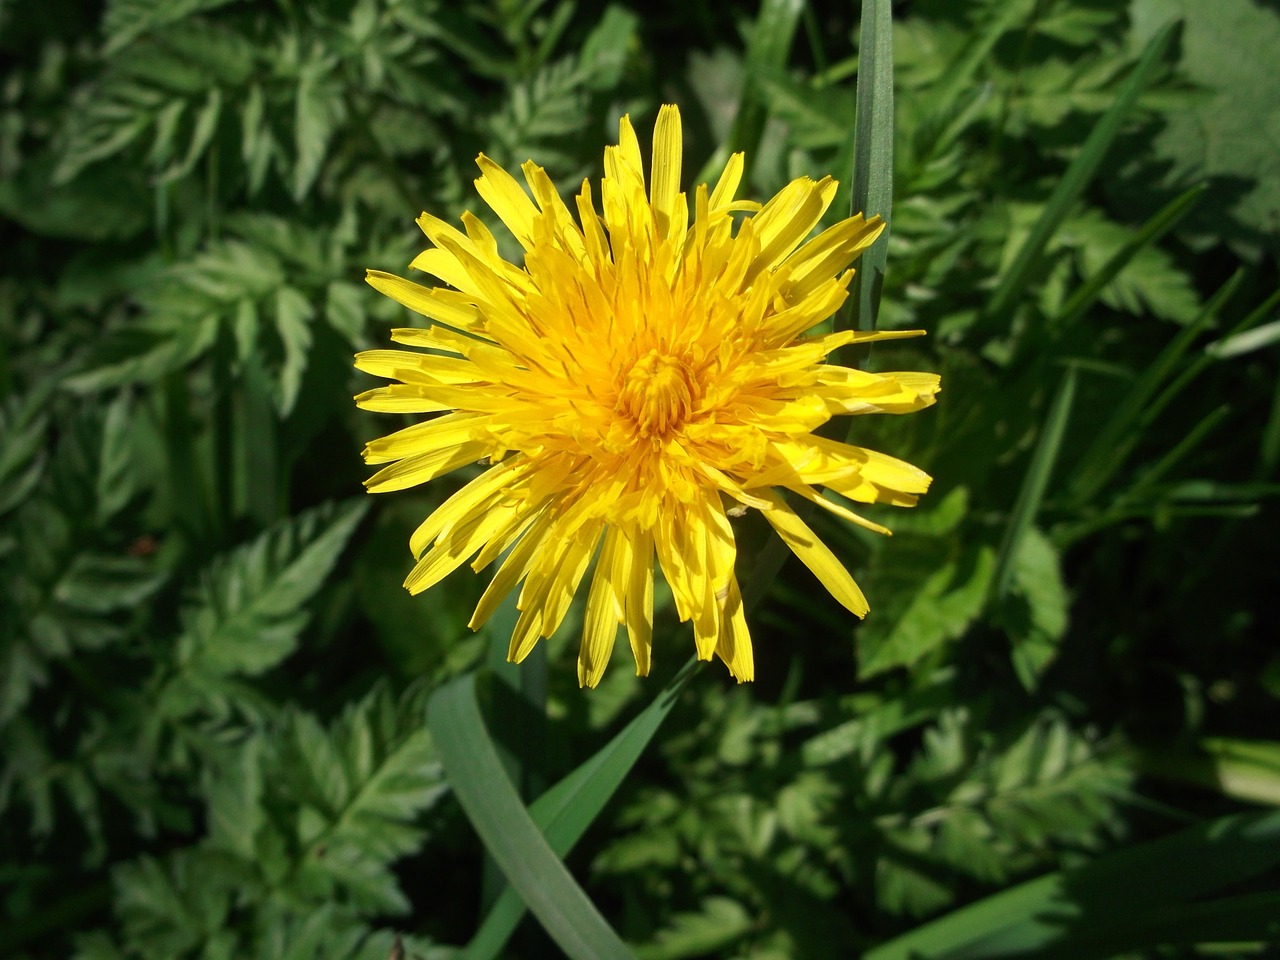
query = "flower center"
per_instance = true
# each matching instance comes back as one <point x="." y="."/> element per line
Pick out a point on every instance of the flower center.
<point x="658" y="394"/>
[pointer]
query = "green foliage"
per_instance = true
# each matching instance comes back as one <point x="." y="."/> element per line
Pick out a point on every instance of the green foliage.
<point x="213" y="694"/>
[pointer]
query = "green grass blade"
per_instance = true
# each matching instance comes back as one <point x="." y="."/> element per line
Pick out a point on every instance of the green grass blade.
<point x="767" y="53"/>
<point x="509" y="833"/>
<point x="1076" y="178"/>
<point x="1075" y="913"/>
<point x="1180" y="451"/>
<point x="1246" y="770"/>
<point x="1151" y="231"/>
<point x="565" y="811"/>
<point x="1034" y="483"/>
<point x="873" y="155"/>
<point x="1110" y="445"/>
<point x="523" y="751"/>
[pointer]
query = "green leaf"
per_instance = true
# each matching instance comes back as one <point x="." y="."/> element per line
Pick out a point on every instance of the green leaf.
<point x="23" y="423"/>
<point x="1073" y="914"/>
<point x="940" y="609"/>
<point x="117" y="479"/>
<point x="318" y="111"/>
<point x="1116" y="438"/>
<point x="872" y="192"/>
<point x="1246" y="770"/>
<point x="715" y="926"/>
<point x="234" y="800"/>
<point x="508" y="832"/>
<point x="1230" y="135"/>
<point x="126" y="20"/>
<point x="1077" y="176"/>
<point x="173" y="905"/>
<point x="355" y="793"/>
<point x="1034" y="612"/>
<point x="1248" y="341"/>
<point x="96" y="583"/>
<point x="607" y="47"/>
<point x="1160" y="224"/>
<point x="250" y="606"/>
<point x="293" y="324"/>
<point x="565" y="811"/>
<point x="206" y="124"/>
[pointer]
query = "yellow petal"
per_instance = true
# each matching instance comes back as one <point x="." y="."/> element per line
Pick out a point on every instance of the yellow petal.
<point x="665" y="172"/>
<point x="734" y="643"/>
<point x="427" y="466"/>
<point x="453" y="549"/>
<point x="815" y="555"/>
<point x="787" y="219"/>
<point x="827" y="254"/>
<point x="512" y="570"/>
<point x="727" y="186"/>
<point x="449" y="430"/>
<point x="600" y="625"/>
<point x="469" y="499"/>
<point x="503" y="194"/>
<point x="639" y="597"/>
<point x="399" y="398"/>
<point x="424" y="300"/>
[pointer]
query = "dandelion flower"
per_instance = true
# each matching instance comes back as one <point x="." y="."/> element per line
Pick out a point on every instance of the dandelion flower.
<point x="643" y="377"/>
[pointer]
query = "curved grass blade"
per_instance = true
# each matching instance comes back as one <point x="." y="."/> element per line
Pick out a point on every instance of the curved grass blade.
<point x="1112" y="443"/>
<point x="873" y="155"/>
<point x="565" y="811"/>
<point x="1076" y="178"/>
<point x="510" y="835"/>
<point x="1246" y="770"/>
<point x="523" y="715"/>
<point x="1155" y="228"/>
<point x="1034" y="483"/>
<point x="1073" y="914"/>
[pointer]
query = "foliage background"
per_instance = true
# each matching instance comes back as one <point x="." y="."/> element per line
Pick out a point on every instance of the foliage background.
<point x="212" y="687"/>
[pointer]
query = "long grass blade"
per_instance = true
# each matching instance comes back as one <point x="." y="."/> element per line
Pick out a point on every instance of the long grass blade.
<point x="1034" y="484"/>
<point x="1076" y="178"/>
<point x="1152" y="407"/>
<point x="1246" y="770"/>
<point x="1074" y="914"/>
<point x="1110" y="445"/>
<point x="509" y="833"/>
<point x="873" y="155"/>
<point x="1155" y="228"/>
<point x="565" y="811"/>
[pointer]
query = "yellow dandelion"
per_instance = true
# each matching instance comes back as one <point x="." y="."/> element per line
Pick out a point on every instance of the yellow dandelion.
<point x="637" y="382"/>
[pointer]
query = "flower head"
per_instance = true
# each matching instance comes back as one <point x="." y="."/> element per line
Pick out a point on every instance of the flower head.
<point x="643" y="376"/>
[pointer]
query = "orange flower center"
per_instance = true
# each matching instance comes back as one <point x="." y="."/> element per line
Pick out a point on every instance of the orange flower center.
<point x="658" y="394"/>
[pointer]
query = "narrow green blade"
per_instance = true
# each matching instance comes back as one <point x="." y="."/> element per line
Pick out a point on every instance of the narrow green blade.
<point x="1112" y="443"/>
<point x="1155" y="228"/>
<point x="1246" y="770"/>
<point x="873" y="155"/>
<point x="1034" y="483"/>
<point x="1076" y="178"/>
<point x="510" y="835"/>
<point x="565" y="811"/>
<point x="1075" y="913"/>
